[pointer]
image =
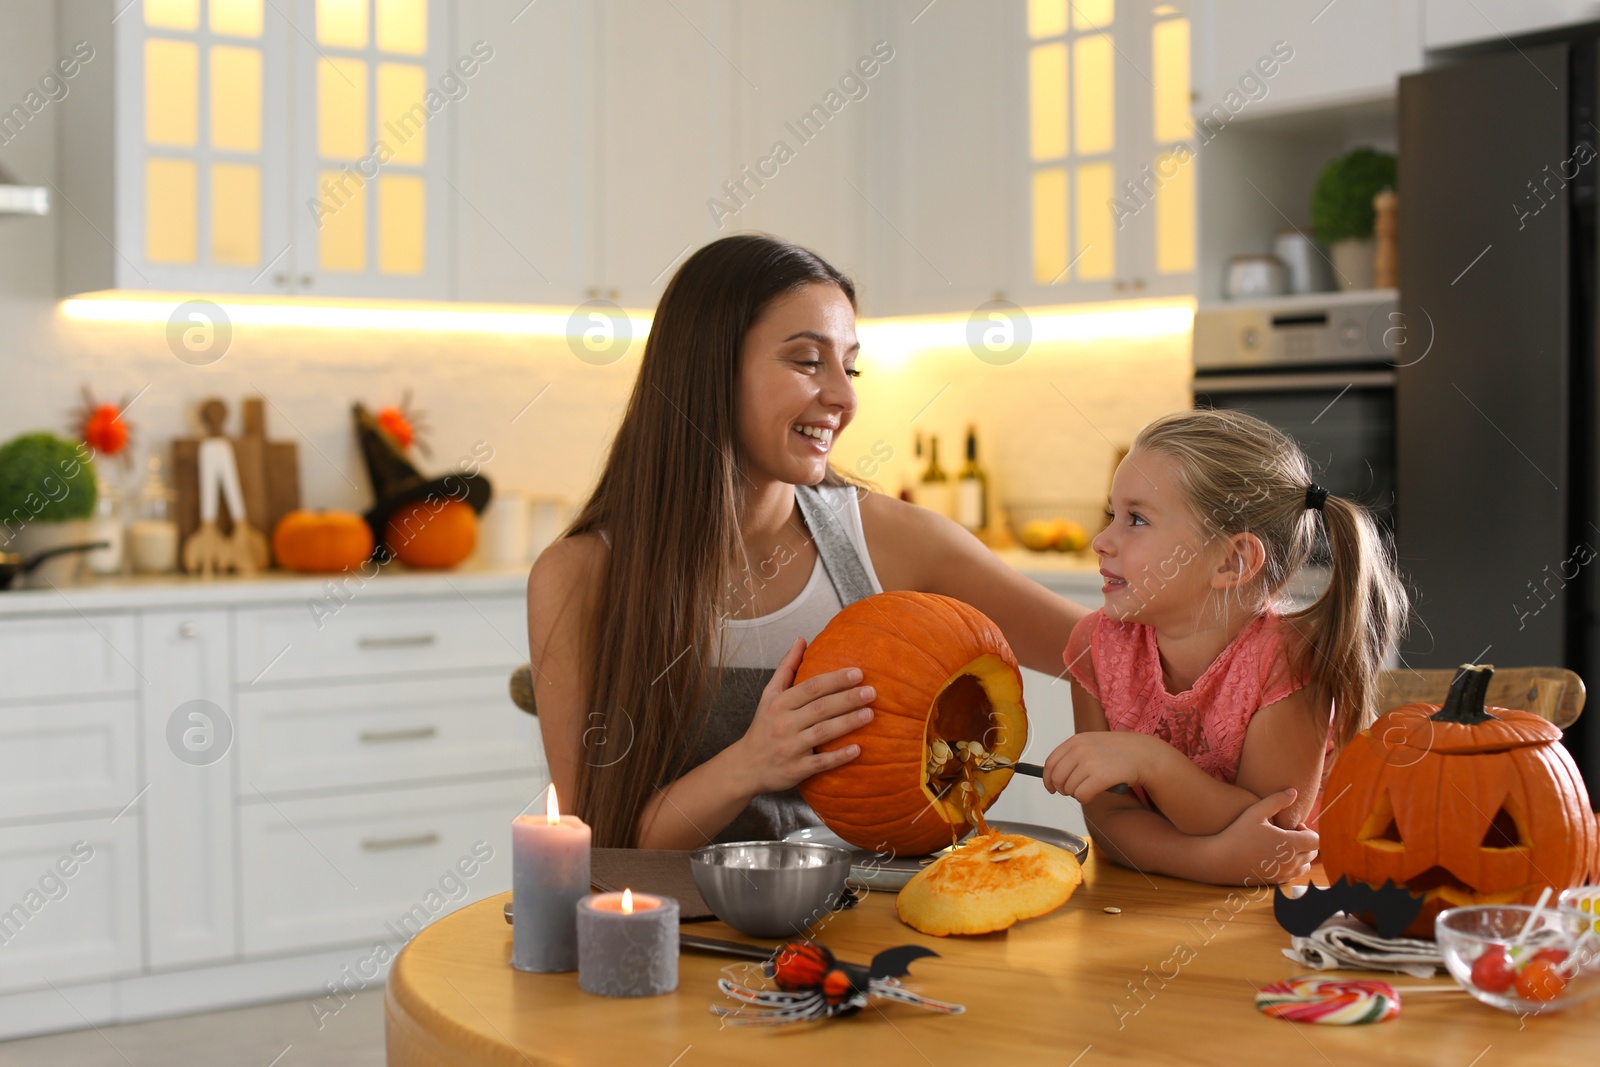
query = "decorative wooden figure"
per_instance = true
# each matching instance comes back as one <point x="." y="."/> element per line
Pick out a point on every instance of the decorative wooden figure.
<point x="208" y="549"/>
<point x="1386" y="228"/>
<point x="269" y="476"/>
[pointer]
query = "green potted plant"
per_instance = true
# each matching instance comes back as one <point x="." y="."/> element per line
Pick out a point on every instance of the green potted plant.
<point x="47" y="493"/>
<point x="1342" y="213"/>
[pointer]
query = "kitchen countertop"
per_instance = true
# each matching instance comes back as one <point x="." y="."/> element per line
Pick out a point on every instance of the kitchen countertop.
<point x="134" y="592"/>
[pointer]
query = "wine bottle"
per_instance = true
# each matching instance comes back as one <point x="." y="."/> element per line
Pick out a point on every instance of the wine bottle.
<point x="972" y="489"/>
<point x="934" y="492"/>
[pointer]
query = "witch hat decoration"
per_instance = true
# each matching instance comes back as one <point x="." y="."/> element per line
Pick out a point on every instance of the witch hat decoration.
<point x="396" y="481"/>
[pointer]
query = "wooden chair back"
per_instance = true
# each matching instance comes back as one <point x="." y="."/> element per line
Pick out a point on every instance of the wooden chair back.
<point x="1553" y="693"/>
<point x="522" y="689"/>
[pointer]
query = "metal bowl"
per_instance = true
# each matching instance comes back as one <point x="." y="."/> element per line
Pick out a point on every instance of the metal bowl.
<point x="770" y="888"/>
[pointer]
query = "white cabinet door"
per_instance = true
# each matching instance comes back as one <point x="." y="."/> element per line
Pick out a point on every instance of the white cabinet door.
<point x="69" y="901"/>
<point x="67" y="758"/>
<point x="175" y="147"/>
<point x="523" y="187"/>
<point x="948" y="166"/>
<point x="666" y="74"/>
<point x="189" y="765"/>
<point x="1341" y="52"/>
<point x="372" y="867"/>
<point x="799" y="137"/>
<point x="54" y="656"/>
<point x="1448" y="23"/>
<point x="377" y="90"/>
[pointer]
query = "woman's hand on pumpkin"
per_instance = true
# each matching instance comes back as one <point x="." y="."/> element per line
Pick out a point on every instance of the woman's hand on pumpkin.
<point x="1254" y="850"/>
<point x="1087" y="764"/>
<point x="791" y="721"/>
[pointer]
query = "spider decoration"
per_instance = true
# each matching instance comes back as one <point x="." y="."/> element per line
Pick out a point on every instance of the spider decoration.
<point x="406" y="424"/>
<point x="813" y="985"/>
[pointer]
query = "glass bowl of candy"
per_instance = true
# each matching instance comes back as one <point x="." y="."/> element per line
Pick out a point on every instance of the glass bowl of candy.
<point x="1528" y="967"/>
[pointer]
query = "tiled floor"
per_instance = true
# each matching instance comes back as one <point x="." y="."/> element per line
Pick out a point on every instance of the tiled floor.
<point x="284" y="1034"/>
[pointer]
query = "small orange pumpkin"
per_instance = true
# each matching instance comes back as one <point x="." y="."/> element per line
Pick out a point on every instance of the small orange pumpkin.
<point x="1462" y="804"/>
<point x="319" y="542"/>
<point x="943" y="674"/>
<point x="427" y="535"/>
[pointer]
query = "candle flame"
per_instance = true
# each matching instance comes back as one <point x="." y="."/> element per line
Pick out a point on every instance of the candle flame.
<point x="552" y="809"/>
<point x="627" y="902"/>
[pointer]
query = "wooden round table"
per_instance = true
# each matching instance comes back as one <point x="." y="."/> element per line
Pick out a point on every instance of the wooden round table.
<point x="1171" y="979"/>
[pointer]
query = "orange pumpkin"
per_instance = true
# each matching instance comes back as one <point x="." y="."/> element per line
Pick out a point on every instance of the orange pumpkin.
<point x="427" y="535"/>
<point x="1461" y="804"/>
<point x="943" y="674"/>
<point x="320" y="542"/>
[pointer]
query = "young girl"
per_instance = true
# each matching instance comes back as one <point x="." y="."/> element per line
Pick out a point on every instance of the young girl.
<point x="1188" y="685"/>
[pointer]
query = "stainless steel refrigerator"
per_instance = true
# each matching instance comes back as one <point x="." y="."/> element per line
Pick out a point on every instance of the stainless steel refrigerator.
<point x="1496" y="389"/>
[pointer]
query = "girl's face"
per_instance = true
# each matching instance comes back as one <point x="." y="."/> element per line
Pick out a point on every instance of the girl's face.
<point x="1154" y="557"/>
<point x="795" y="391"/>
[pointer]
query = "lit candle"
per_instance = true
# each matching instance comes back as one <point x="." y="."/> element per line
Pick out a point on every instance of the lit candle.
<point x="627" y="944"/>
<point x="549" y="875"/>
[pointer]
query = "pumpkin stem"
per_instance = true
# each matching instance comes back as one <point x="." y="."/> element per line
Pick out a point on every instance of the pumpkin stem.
<point x="1464" y="703"/>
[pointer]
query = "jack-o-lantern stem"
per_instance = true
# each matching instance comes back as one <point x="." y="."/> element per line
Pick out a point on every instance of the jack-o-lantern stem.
<point x="1468" y="689"/>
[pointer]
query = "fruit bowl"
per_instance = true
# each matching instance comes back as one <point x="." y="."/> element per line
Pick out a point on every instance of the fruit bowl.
<point x="1554" y="967"/>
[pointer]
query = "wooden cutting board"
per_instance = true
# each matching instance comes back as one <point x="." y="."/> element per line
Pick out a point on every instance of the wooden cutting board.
<point x="269" y="476"/>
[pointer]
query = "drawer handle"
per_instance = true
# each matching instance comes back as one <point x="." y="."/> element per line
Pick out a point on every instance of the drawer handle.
<point x="398" y="641"/>
<point x="415" y="733"/>
<point x="383" y="844"/>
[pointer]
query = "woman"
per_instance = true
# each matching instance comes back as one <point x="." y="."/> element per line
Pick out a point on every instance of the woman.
<point x="666" y="626"/>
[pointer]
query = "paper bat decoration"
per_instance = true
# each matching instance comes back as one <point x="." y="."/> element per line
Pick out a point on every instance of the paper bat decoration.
<point x="1390" y="908"/>
<point x="812" y="984"/>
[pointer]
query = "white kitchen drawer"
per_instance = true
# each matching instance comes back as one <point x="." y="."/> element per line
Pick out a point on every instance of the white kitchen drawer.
<point x="69" y="927"/>
<point x="67" y="656"/>
<point x="58" y="759"/>
<point x="372" y="867"/>
<point x="378" y="638"/>
<point x="371" y="733"/>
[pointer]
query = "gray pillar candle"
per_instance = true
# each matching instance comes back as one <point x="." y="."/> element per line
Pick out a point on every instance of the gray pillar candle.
<point x="549" y="875"/>
<point x="627" y="953"/>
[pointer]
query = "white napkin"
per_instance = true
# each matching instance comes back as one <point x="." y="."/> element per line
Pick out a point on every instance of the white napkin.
<point x="1350" y="944"/>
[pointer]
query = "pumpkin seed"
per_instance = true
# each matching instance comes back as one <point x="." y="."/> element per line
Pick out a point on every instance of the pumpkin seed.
<point x="1113" y="911"/>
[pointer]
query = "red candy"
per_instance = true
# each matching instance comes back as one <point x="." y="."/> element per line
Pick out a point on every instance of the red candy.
<point x="1493" y="972"/>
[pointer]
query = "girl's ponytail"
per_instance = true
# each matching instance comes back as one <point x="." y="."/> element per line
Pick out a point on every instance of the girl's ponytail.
<point x="1348" y="630"/>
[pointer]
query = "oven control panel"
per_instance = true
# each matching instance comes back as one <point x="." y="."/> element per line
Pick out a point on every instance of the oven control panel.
<point x="1318" y="328"/>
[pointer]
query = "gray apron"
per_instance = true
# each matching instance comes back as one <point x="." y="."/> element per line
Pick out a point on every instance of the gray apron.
<point x="771" y="815"/>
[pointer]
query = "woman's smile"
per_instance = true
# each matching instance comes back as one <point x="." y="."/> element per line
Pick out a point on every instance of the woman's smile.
<point x="815" y="436"/>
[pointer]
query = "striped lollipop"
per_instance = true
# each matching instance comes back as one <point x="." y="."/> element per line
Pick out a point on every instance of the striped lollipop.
<point x="1339" y="1002"/>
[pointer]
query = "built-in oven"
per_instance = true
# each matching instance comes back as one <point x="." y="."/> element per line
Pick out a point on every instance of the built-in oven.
<point x="1321" y="368"/>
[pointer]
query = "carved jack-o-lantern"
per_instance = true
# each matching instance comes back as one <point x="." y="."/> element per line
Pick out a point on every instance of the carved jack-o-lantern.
<point x="1461" y="804"/>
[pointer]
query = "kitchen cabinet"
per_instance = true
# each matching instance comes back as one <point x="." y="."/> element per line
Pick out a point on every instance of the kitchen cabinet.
<point x="523" y="195"/>
<point x="1344" y="52"/>
<point x="247" y="778"/>
<point x="187" y="795"/>
<point x="239" y="146"/>
<point x="1084" y="195"/>
<point x="801" y="124"/>
<point x="1452" y="23"/>
<point x="72" y="896"/>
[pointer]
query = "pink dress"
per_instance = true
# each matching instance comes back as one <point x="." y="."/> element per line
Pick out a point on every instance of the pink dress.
<point x="1119" y="665"/>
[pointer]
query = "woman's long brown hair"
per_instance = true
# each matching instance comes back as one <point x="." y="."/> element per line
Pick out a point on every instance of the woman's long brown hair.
<point x="669" y="500"/>
<point x="1242" y="475"/>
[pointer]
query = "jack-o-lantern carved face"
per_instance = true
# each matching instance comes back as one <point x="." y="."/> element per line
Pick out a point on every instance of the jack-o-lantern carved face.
<point x="1459" y="804"/>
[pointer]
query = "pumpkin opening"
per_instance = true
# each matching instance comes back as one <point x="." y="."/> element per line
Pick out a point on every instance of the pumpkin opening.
<point x="1505" y="831"/>
<point x="964" y="740"/>
<point x="1380" y="830"/>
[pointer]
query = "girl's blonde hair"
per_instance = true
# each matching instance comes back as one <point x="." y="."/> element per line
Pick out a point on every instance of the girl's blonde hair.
<point x="1241" y="475"/>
